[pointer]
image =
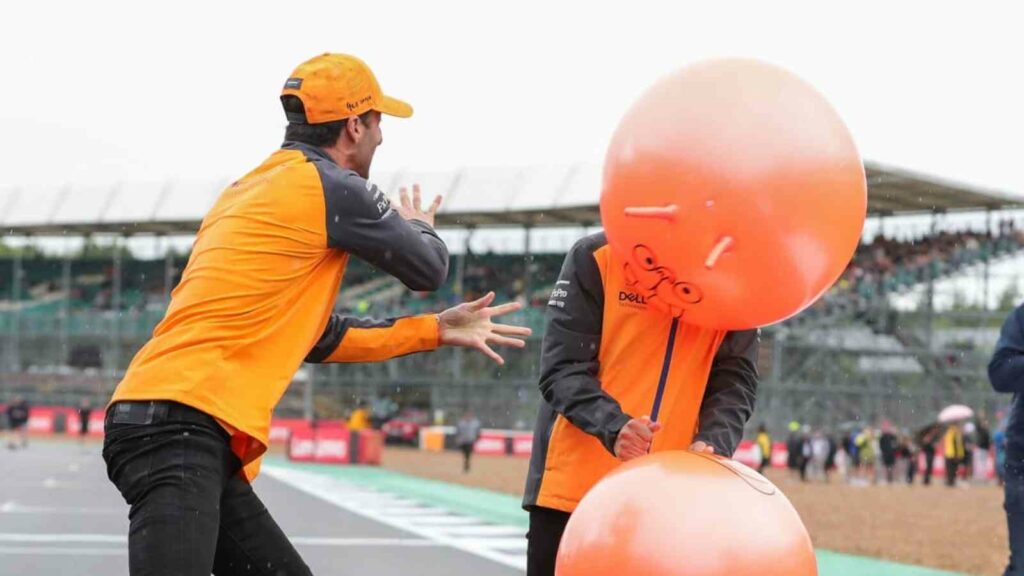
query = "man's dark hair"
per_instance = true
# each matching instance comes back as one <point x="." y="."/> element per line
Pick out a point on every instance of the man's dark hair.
<point x="322" y="135"/>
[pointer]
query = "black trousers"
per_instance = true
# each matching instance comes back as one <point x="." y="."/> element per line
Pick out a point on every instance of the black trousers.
<point x="951" y="468"/>
<point x="1014" y="506"/>
<point x="191" y="512"/>
<point x="546" y="528"/>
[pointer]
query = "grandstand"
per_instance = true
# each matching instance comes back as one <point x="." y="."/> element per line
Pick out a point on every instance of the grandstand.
<point x="77" y="298"/>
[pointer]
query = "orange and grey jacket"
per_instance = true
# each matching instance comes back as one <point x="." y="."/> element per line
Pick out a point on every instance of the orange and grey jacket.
<point x="257" y="295"/>
<point x="608" y="356"/>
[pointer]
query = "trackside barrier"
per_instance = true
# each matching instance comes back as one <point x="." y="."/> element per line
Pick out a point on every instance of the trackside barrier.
<point x="518" y="443"/>
<point x="334" y="443"/>
<point x="330" y="442"/>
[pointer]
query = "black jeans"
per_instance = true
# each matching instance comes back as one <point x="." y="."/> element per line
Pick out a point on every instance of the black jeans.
<point x="191" y="512"/>
<point x="546" y="528"/>
<point x="951" y="468"/>
<point x="1014" y="506"/>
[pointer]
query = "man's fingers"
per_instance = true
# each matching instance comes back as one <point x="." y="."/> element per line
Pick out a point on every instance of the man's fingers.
<point x="483" y="347"/>
<point x="509" y="330"/>
<point x="626" y="452"/>
<point x="632" y="439"/>
<point x="481" y="303"/>
<point x="403" y="197"/>
<point x="702" y="447"/>
<point x="502" y="341"/>
<point x="416" y="197"/>
<point x="654" y="426"/>
<point x="435" y="204"/>
<point x="644" y="433"/>
<point x="632" y="452"/>
<point x="638" y="445"/>
<point x="504" y="309"/>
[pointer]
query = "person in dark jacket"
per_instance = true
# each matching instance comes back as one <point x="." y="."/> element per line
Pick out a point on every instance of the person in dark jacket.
<point x="907" y="452"/>
<point x="620" y="379"/>
<point x="927" y="439"/>
<point x="887" y="445"/>
<point x="84" y="413"/>
<point x="467" y="432"/>
<point x="17" y="419"/>
<point x="794" y="450"/>
<point x="1006" y="372"/>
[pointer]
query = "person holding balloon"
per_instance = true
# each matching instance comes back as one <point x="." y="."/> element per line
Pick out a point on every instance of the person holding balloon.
<point x="733" y="198"/>
<point x="620" y="379"/>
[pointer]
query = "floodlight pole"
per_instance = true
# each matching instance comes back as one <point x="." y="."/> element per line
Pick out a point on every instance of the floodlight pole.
<point x="460" y="294"/>
<point x="930" y="310"/>
<point x="13" y="352"/>
<point x="308" y="392"/>
<point x="115" y="306"/>
<point x="65" y="315"/>
<point x="527" y="262"/>
<point x="168" y="270"/>
<point x="990" y="237"/>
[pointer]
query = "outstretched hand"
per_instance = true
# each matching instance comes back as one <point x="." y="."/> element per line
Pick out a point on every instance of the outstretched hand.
<point x="413" y="209"/>
<point x="469" y="325"/>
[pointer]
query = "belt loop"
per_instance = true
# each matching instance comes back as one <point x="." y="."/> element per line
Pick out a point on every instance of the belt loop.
<point x="162" y="410"/>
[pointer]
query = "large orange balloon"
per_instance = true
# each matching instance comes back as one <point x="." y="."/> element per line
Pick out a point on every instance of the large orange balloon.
<point x="683" y="514"/>
<point x="734" y="194"/>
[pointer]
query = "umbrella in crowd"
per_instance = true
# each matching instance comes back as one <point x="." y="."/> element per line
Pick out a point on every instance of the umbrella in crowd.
<point x="955" y="413"/>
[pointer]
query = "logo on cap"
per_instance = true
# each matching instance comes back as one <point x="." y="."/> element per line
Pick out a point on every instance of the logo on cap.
<point x="293" y="84"/>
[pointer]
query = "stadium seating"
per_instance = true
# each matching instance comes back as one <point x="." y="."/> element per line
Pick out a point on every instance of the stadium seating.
<point x="881" y="267"/>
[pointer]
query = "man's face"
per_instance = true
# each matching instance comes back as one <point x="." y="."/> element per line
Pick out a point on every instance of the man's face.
<point x="368" y="138"/>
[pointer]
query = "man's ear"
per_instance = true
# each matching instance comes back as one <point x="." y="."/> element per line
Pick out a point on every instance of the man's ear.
<point x="354" y="128"/>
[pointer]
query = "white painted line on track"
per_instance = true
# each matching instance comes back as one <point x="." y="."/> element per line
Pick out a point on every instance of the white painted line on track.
<point x="66" y="538"/>
<point x="432" y="526"/>
<point x="57" y="551"/>
<point x="298" y="541"/>
<point x="12" y="507"/>
<point x="434" y="521"/>
<point x="404" y="542"/>
<point x="484" y="530"/>
<point x="510" y="544"/>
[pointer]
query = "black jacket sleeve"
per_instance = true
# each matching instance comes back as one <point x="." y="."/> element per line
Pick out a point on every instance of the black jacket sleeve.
<point x="572" y="341"/>
<point x="1006" y="369"/>
<point x="360" y="221"/>
<point x="729" y="396"/>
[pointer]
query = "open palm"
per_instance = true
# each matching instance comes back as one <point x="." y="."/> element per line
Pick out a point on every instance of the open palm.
<point x="469" y="325"/>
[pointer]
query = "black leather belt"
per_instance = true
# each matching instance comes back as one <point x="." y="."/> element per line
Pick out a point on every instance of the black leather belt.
<point x="154" y="412"/>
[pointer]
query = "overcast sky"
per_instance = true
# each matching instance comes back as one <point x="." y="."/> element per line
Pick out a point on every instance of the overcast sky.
<point x="101" y="92"/>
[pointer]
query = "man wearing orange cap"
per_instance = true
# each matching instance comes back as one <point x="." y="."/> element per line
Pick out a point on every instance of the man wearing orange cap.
<point x="189" y="422"/>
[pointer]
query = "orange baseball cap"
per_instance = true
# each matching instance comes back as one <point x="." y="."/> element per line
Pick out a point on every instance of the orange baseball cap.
<point x="337" y="86"/>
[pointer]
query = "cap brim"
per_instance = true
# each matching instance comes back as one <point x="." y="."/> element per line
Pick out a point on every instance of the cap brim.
<point x="394" y="107"/>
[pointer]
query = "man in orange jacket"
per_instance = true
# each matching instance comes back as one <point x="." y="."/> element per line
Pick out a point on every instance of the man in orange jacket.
<point x="621" y="378"/>
<point x="189" y="422"/>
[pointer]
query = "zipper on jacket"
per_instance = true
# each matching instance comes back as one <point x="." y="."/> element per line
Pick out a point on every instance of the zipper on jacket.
<point x="664" y="369"/>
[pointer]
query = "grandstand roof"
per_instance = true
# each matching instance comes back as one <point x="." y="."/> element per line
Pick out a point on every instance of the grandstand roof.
<point x="507" y="196"/>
